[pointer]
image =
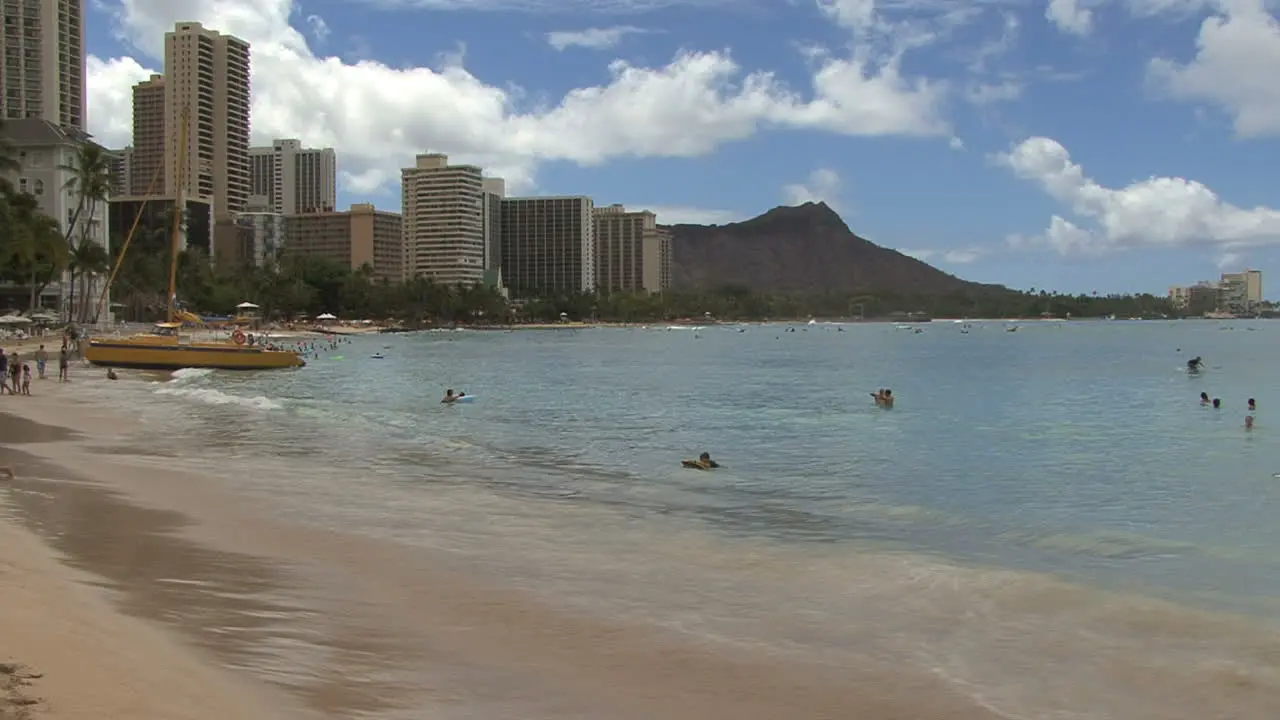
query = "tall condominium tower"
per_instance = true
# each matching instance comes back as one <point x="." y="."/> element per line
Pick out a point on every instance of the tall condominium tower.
<point x="294" y="179"/>
<point x="548" y="245"/>
<point x="633" y="254"/>
<point x="146" y="171"/>
<point x="444" y="221"/>
<point x="207" y="74"/>
<point x="42" y="61"/>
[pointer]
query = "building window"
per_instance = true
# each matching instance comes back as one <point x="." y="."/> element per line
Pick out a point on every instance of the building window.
<point x="39" y="187"/>
<point x="22" y="184"/>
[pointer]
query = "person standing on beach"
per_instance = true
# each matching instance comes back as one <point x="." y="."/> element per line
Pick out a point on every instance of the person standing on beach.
<point x="62" y="365"/>
<point x="42" y="359"/>
<point x="15" y="373"/>
<point x="4" y="372"/>
<point x="26" y="379"/>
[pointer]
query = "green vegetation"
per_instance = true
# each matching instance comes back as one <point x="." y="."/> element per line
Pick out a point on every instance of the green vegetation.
<point x="33" y="250"/>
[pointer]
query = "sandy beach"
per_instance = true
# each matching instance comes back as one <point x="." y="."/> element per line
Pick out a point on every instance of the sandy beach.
<point x="69" y="652"/>
<point x="137" y="588"/>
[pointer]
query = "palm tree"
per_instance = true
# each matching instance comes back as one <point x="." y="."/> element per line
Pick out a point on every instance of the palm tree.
<point x="91" y="181"/>
<point x="86" y="260"/>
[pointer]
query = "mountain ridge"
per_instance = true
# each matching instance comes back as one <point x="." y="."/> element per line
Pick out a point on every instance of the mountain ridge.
<point x="798" y="249"/>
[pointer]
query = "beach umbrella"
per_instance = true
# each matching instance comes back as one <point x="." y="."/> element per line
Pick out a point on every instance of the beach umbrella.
<point x="326" y="316"/>
<point x="246" y="306"/>
<point x="14" y="320"/>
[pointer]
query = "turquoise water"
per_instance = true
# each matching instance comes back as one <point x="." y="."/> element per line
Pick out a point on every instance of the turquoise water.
<point x="1049" y="521"/>
<point x="1073" y="448"/>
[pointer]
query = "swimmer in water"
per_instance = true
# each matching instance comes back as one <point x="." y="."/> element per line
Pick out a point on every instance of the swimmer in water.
<point x="449" y="397"/>
<point x="1204" y="398"/>
<point x="1194" y="364"/>
<point x="1253" y="405"/>
<point x="111" y="374"/>
<point x="883" y="398"/>
<point x="1248" y="422"/>
<point x="705" y="461"/>
<point x="1217" y="403"/>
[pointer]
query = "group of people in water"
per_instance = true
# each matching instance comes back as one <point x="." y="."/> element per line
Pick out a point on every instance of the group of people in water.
<point x="1216" y="403"/>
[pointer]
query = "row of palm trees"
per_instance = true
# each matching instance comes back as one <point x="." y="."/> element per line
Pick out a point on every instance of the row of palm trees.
<point x="34" y="250"/>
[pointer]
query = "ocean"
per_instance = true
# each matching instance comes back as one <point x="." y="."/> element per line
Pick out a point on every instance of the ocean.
<point x="1048" y="521"/>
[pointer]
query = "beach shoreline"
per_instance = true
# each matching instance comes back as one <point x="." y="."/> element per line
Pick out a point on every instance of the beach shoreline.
<point x="237" y="577"/>
<point x="69" y="653"/>
<point x="453" y="626"/>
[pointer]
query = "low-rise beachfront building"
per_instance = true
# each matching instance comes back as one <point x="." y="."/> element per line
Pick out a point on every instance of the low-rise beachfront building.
<point x="358" y="237"/>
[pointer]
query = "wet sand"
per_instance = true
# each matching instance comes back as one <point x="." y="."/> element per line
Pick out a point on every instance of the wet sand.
<point x="345" y="626"/>
<point x="68" y="652"/>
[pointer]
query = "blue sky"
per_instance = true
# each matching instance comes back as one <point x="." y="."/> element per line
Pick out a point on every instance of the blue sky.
<point x="1149" y="129"/>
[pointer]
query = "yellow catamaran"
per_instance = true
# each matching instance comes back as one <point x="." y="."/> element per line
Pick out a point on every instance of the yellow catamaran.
<point x="165" y="348"/>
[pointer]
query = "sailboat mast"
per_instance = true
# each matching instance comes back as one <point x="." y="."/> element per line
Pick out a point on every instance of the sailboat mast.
<point x="179" y="207"/>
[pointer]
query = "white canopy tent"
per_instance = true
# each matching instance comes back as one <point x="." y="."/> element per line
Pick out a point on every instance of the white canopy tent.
<point x="246" y="306"/>
<point x="326" y="316"/>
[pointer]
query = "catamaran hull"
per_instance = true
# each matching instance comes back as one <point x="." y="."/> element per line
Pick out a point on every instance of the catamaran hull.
<point x="177" y="357"/>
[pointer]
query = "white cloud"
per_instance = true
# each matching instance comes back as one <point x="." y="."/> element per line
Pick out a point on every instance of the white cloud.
<point x="319" y="28"/>
<point x="1235" y="67"/>
<point x="378" y="116"/>
<point x="958" y="256"/>
<point x="1069" y="17"/>
<point x="591" y="38"/>
<point x="1157" y="212"/>
<point x="823" y="186"/>
<point x="677" y="215"/>
<point x="1228" y="260"/>
<point x="956" y="143"/>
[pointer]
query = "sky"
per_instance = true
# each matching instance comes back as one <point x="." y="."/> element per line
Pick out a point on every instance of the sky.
<point x="1067" y="145"/>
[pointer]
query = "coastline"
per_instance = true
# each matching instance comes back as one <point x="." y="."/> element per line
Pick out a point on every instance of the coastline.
<point x="69" y="653"/>
<point x="218" y="553"/>
<point x="401" y="628"/>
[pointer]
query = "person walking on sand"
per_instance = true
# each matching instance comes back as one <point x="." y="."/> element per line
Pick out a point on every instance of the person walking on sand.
<point x="63" y="360"/>
<point x="42" y="359"/>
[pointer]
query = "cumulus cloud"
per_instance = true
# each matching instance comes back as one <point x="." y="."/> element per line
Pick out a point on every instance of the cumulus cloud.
<point x="1069" y="17"/>
<point x="823" y="185"/>
<point x="955" y="256"/>
<point x="676" y="215"/>
<point x="1156" y="212"/>
<point x="1235" y="66"/>
<point x="591" y="38"/>
<point x="378" y="116"/>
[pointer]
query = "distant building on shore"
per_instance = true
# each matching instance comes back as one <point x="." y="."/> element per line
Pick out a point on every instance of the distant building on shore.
<point x="548" y="245"/>
<point x="632" y="253"/>
<point x="1239" y="292"/>
<point x="254" y="238"/>
<point x="146" y="165"/>
<point x="444" y="221"/>
<point x="42" y="62"/>
<point x="121" y="164"/>
<point x="357" y="237"/>
<point x="156" y="214"/>
<point x="293" y="178"/>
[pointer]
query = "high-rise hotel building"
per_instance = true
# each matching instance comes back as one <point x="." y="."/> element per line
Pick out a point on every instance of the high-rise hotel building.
<point x="207" y="73"/>
<point x="633" y="254"/>
<point x="548" y="245"/>
<point x="293" y="179"/>
<point x="444" y="221"/>
<point x="42" y="61"/>
<point x="146" y="167"/>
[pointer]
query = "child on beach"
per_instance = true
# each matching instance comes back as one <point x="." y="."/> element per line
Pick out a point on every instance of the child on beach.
<point x="63" y="361"/>
<point x="42" y="359"/>
<point x="26" y="379"/>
